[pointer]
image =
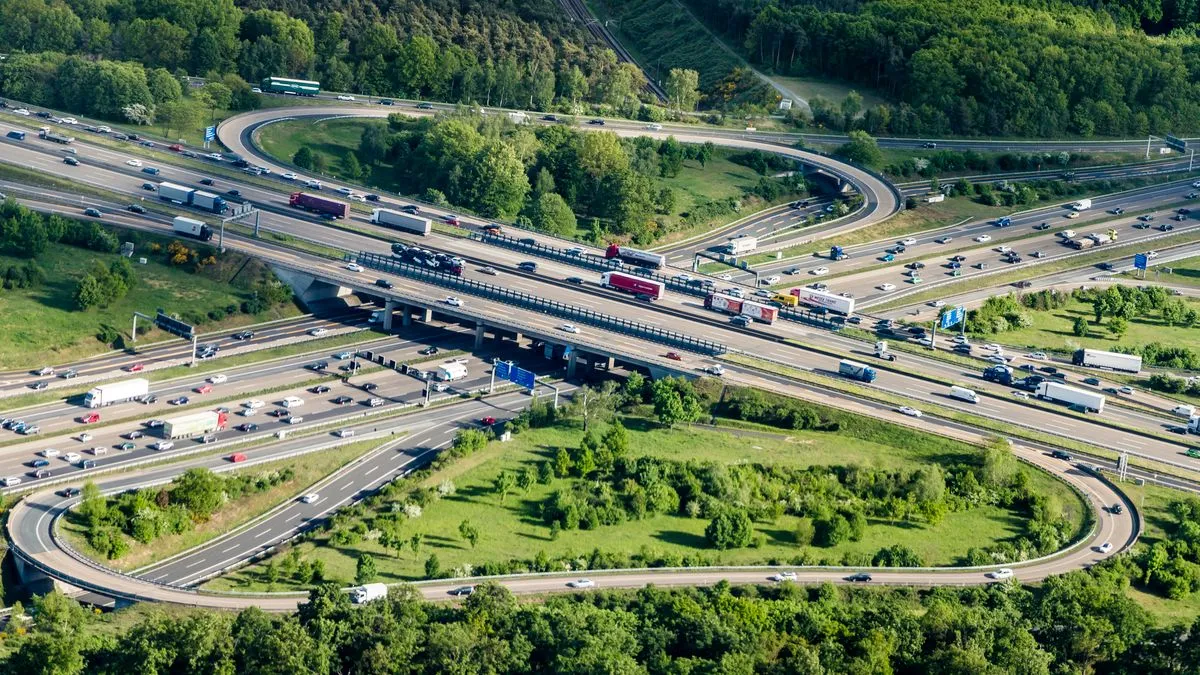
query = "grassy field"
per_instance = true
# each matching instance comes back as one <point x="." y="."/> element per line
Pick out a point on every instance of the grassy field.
<point x="1153" y="502"/>
<point x="513" y="530"/>
<point x="1184" y="272"/>
<point x="41" y="325"/>
<point x="1053" y="330"/>
<point x="830" y="90"/>
<point x="308" y="470"/>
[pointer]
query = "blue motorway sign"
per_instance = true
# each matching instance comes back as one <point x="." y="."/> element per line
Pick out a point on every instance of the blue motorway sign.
<point x="210" y="133"/>
<point x="522" y="378"/>
<point x="954" y="316"/>
<point x="174" y="326"/>
<point x="1139" y="261"/>
<point x="502" y="368"/>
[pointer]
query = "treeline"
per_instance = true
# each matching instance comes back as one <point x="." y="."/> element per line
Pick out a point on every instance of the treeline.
<point x="25" y="233"/>
<point x="1080" y="622"/>
<point x="995" y="67"/>
<point x="544" y="176"/>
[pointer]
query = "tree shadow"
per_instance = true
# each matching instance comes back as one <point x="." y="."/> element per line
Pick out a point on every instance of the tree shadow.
<point x="899" y="524"/>
<point x="681" y="538"/>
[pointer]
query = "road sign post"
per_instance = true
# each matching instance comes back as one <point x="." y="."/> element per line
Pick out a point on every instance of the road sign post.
<point x="210" y="133"/>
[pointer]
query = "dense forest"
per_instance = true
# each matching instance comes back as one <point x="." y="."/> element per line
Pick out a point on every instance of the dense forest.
<point x="994" y="67"/>
<point x="496" y="53"/>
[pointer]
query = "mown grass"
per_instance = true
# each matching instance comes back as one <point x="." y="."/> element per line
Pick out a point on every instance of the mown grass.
<point x="1153" y="501"/>
<point x="1053" y="330"/>
<point x="1184" y="272"/>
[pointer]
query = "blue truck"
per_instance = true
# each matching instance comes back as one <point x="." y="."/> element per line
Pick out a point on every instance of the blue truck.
<point x="856" y="371"/>
<point x="837" y="253"/>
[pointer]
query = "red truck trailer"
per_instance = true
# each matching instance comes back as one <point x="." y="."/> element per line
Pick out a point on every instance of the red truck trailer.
<point x="632" y="284"/>
<point x="303" y="200"/>
<point x="738" y="306"/>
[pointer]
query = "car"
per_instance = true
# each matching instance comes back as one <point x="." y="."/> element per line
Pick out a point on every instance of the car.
<point x="345" y="97"/>
<point x="911" y="412"/>
<point x="908" y="241"/>
<point x="1073" y="215"/>
<point x="1105" y="547"/>
<point x="182" y="400"/>
<point x="574" y="280"/>
<point x="983" y="238"/>
<point x="253" y="404"/>
<point x="354" y="267"/>
<point x="430" y="350"/>
<point x="342" y="400"/>
<point x="44" y="370"/>
<point x="451" y="219"/>
<point x="150" y="170"/>
<point x="84" y="437"/>
<point x="998" y="358"/>
<point x="386" y="101"/>
<point x="310" y="498"/>
<point x="369" y="386"/>
<point x="341" y="356"/>
<point x="39" y="463"/>
<point x="1004" y="249"/>
<point x="375" y="402"/>
<point x="454" y="301"/>
<point x="938" y="304"/>
<point x="68" y="374"/>
<point x="461" y="591"/>
<point x="317" y="332"/>
<point x="50" y="452"/>
<point x="1151" y="254"/>
<point x="429" y="106"/>
<point x="320" y="389"/>
<point x="72" y="457"/>
<point x="1021" y="394"/>
<point x="134" y="162"/>
<point x="384" y="283"/>
<point x="21" y="111"/>
<point x="581" y="583"/>
<point x="70" y="161"/>
<point x="256" y="90"/>
<point x="886" y="287"/>
<point x="819" y="271"/>
<point x="925" y="341"/>
<point x="219" y="378"/>
<point x="11" y="481"/>
<point x="1145" y="218"/>
<point x="38" y="386"/>
<point x="783" y="576"/>
<point x="596" y="122"/>
<point x="887" y="257"/>
<point x="1117" y="211"/>
<point x="674" y="356"/>
<point x="1042" y="226"/>
<point x="569" y="328"/>
<point x="488" y="270"/>
<point x="859" y="577"/>
<point x="1128" y="391"/>
<point x="1040" y="356"/>
<point x="95" y="213"/>
<point x="1116" y="509"/>
<point x="1004" y="573"/>
<point x="487" y="421"/>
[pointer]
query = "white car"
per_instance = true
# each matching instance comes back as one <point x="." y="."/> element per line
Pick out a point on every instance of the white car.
<point x="1195" y="185"/>
<point x="104" y="130"/>
<point x="962" y="340"/>
<point x="314" y="184"/>
<point x="310" y="498"/>
<point x="346" y="191"/>
<point x="717" y="370"/>
<point x="654" y="127"/>
<point x="218" y="379"/>
<point x="69" y="120"/>
<point x="49" y="453"/>
<point x="1151" y="254"/>
<point x="782" y="576"/>
<point x="357" y="198"/>
<point x="317" y="332"/>
<point x="344" y="97"/>
<point x="938" y="304"/>
<point x="72" y="457"/>
<point x="725" y="277"/>
<point x="354" y="267"/>
<point x="134" y="162"/>
<point x="1105" y="547"/>
<point x="253" y="404"/>
<point x="100" y="450"/>
<point x="983" y="238"/>
<point x="943" y="240"/>
<point x="1021" y="394"/>
<point x="992" y="346"/>
<point x="162" y="445"/>
<point x="84" y="437"/>
<point x="454" y="302"/>
<point x="569" y="328"/>
<point x="255" y="90"/>
<point x="911" y="412"/>
<point x="21" y="111"/>
<point x="819" y="271"/>
<point x="12" y="480"/>
<point x="886" y="287"/>
<point x="581" y="583"/>
<point x="925" y="341"/>
<point x="1000" y="574"/>
<point x="288" y="176"/>
<point x="1128" y="391"/>
<point x="1003" y="249"/>
<point x="682" y="277"/>
<point x="575" y="250"/>
<point x="998" y="358"/>
<point x="771" y="280"/>
<point x="1039" y="356"/>
<point x="908" y="241"/>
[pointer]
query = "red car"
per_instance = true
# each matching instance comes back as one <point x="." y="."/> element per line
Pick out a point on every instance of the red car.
<point x="237" y="457"/>
<point x="451" y="219"/>
<point x="674" y="356"/>
<point x="488" y="421"/>
<point x="204" y="389"/>
<point x="90" y="418"/>
<point x="175" y="147"/>
<point x="136" y="368"/>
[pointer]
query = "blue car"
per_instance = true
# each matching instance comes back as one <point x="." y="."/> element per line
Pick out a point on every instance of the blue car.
<point x="39" y="463"/>
<point x="150" y="170"/>
<point x="888" y="257"/>
<point x="342" y="355"/>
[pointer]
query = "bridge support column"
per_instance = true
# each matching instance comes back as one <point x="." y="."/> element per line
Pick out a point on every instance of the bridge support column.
<point x="571" y="359"/>
<point x="609" y="364"/>
<point x="427" y="315"/>
<point x="517" y="337"/>
<point x="480" y="333"/>
<point x="389" y="308"/>
<point x="405" y="315"/>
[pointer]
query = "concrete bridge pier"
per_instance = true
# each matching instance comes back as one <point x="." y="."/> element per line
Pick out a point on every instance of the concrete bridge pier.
<point x="572" y="361"/>
<point x="480" y="334"/>
<point x="405" y="316"/>
<point x="389" y="308"/>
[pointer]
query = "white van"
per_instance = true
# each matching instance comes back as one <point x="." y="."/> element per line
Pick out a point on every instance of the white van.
<point x="292" y="402"/>
<point x="964" y="394"/>
<point x="1184" y="411"/>
<point x="1067" y="234"/>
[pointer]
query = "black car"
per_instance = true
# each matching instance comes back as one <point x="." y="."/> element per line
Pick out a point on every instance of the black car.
<point x="1095" y="382"/>
<point x="206" y="181"/>
<point x="1028" y="366"/>
<point x="279" y="412"/>
<point x="1048" y="369"/>
<point x="428" y="350"/>
<point x="384" y="283"/>
<point x="38" y="386"/>
<point x="461" y="591"/>
<point x="371" y="198"/>
<point x="43" y="114"/>
<point x="244" y="335"/>
<point x="136" y="208"/>
<point x="424" y="106"/>
<point x="1043" y="226"/>
<point x="319" y="365"/>
<point x="549" y="118"/>
<point x="148" y="186"/>
<point x="320" y="389"/>
<point x="343" y="400"/>
<point x="527" y="266"/>
<point x="859" y="577"/>
<point x="234" y="193"/>
<point x="386" y="101"/>
<point x="963" y="349"/>
<point x="70" y="161"/>
<point x="574" y="280"/>
<point x="69" y="492"/>
<point x="370" y="386"/>
<point x="1059" y="454"/>
<point x="597" y="122"/>
<point x="249" y="426"/>
<point x="411" y="208"/>
<point x="1116" y="509"/>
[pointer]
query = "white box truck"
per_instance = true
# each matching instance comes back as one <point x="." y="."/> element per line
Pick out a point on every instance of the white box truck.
<point x="195" y="424"/>
<point x="367" y="592"/>
<point x="116" y="392"/>
<point x="1053" y="391"/>
<point x="830" y="301"/>
<point x="451" y="371"/>
<point x="400" y="221"/>
<point x="964" y="394"/>
<point x="741" y="244"/>
<point x="191" y="227"/>
<point x="1095" y="358"/>
<point x="1082" y="205"/>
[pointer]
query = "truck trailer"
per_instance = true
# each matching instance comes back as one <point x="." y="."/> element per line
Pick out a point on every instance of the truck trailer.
<point x="400" y="221"/>
<point x="635" y="257"/>
<point x="856" y="371"/>
<point x="740" y="244"/>
<point x="367" y="592"/>
<point x="195" y="424"/>
<point x="191" y="227"/>
<point x="738" y="306"/>
<point x="1095" y="358"/>
<point x="116" y="392"/>
<point x="303" y="200"/>
<point x="829" y="301"/>
<point x="48" y="135"/>
<point x="1053" y="391"/>
<point x="633" y="284"/>
<point x="180" y="194"/>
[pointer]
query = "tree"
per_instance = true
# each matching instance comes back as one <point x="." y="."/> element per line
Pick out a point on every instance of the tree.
<point x="550" y="213"/>
<point x="215" y="95"/>
<point x="504" y="484"/>
<point x="139" y="113"/>
<point x="433" y="567"/>
<point x="365" y="570"/>
<point x="1117" y="326"/>
<point x="164" y="86"/>
<point x="201" y="491"/>
<point x="179" y="115"/>
<point x="731" y="528"/>
<point x="1080" y="327"/>
<point x="303" y="158"/>
<point x="595" y="405"/>
<point x="562" y="463"/>
<point x="469" y="532"/>
<point x="861" y="148"/>
<point x="683" y="88"/>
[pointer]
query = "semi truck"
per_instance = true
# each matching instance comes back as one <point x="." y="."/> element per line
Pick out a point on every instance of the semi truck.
<point x="367" y="592"/>
<point x="856" y="371"/>
<point x="48" y="135"/>
<point x="179" y="194"/>
<point x="1053" y="391"/>
<point x="1082" y="205"/>
<point x="1095" y="358"/>
<point x="837" y="253"/>
<point x="190" y="227"/>
<point x="635" y="257"/>
<point x="195" y="424"/>
<point x="633" y="284"/>
<point x="116" y="392"/>
<point x="1080" y="244"/>
<point x="741" y="244"/>
<point x="829" y="301"/>
<point x="400" y="221"/>
<point x="738" y="306"/>
<point x="303" y="200"/>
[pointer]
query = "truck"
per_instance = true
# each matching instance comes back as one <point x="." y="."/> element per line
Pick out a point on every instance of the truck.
<point x="856" y="371"/>
<point x="179" y="194"/>
<point x="964" y="394"/>
<point x="332" y="207"/>
<point x="195" y="424"/>
<point x="367" y="592"/>
<point x="881" y="351"/>
<point x="1080" y="244"/>
<point x="116" y="392"/>
<point x="635" y="257"/>
<point x="1194" y="424"/>
<point x="740" y="307"/>
<point x="1053" y="391"/>
<point x="208" y="201"/>
<point x="829" y="301"/>
<point x="743" y="243"/>
<point x="400" y="221"/>
<point x="1082" y="205"/>
<point x="48" y="135"/>
<point x="633" y="284"/>
<point x="1095" y="358"/>
<point x="451" y="371"/>
<point x="1000" y="374"/>
<point x="837" y="253"/>
<point x="191" y="227"/>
